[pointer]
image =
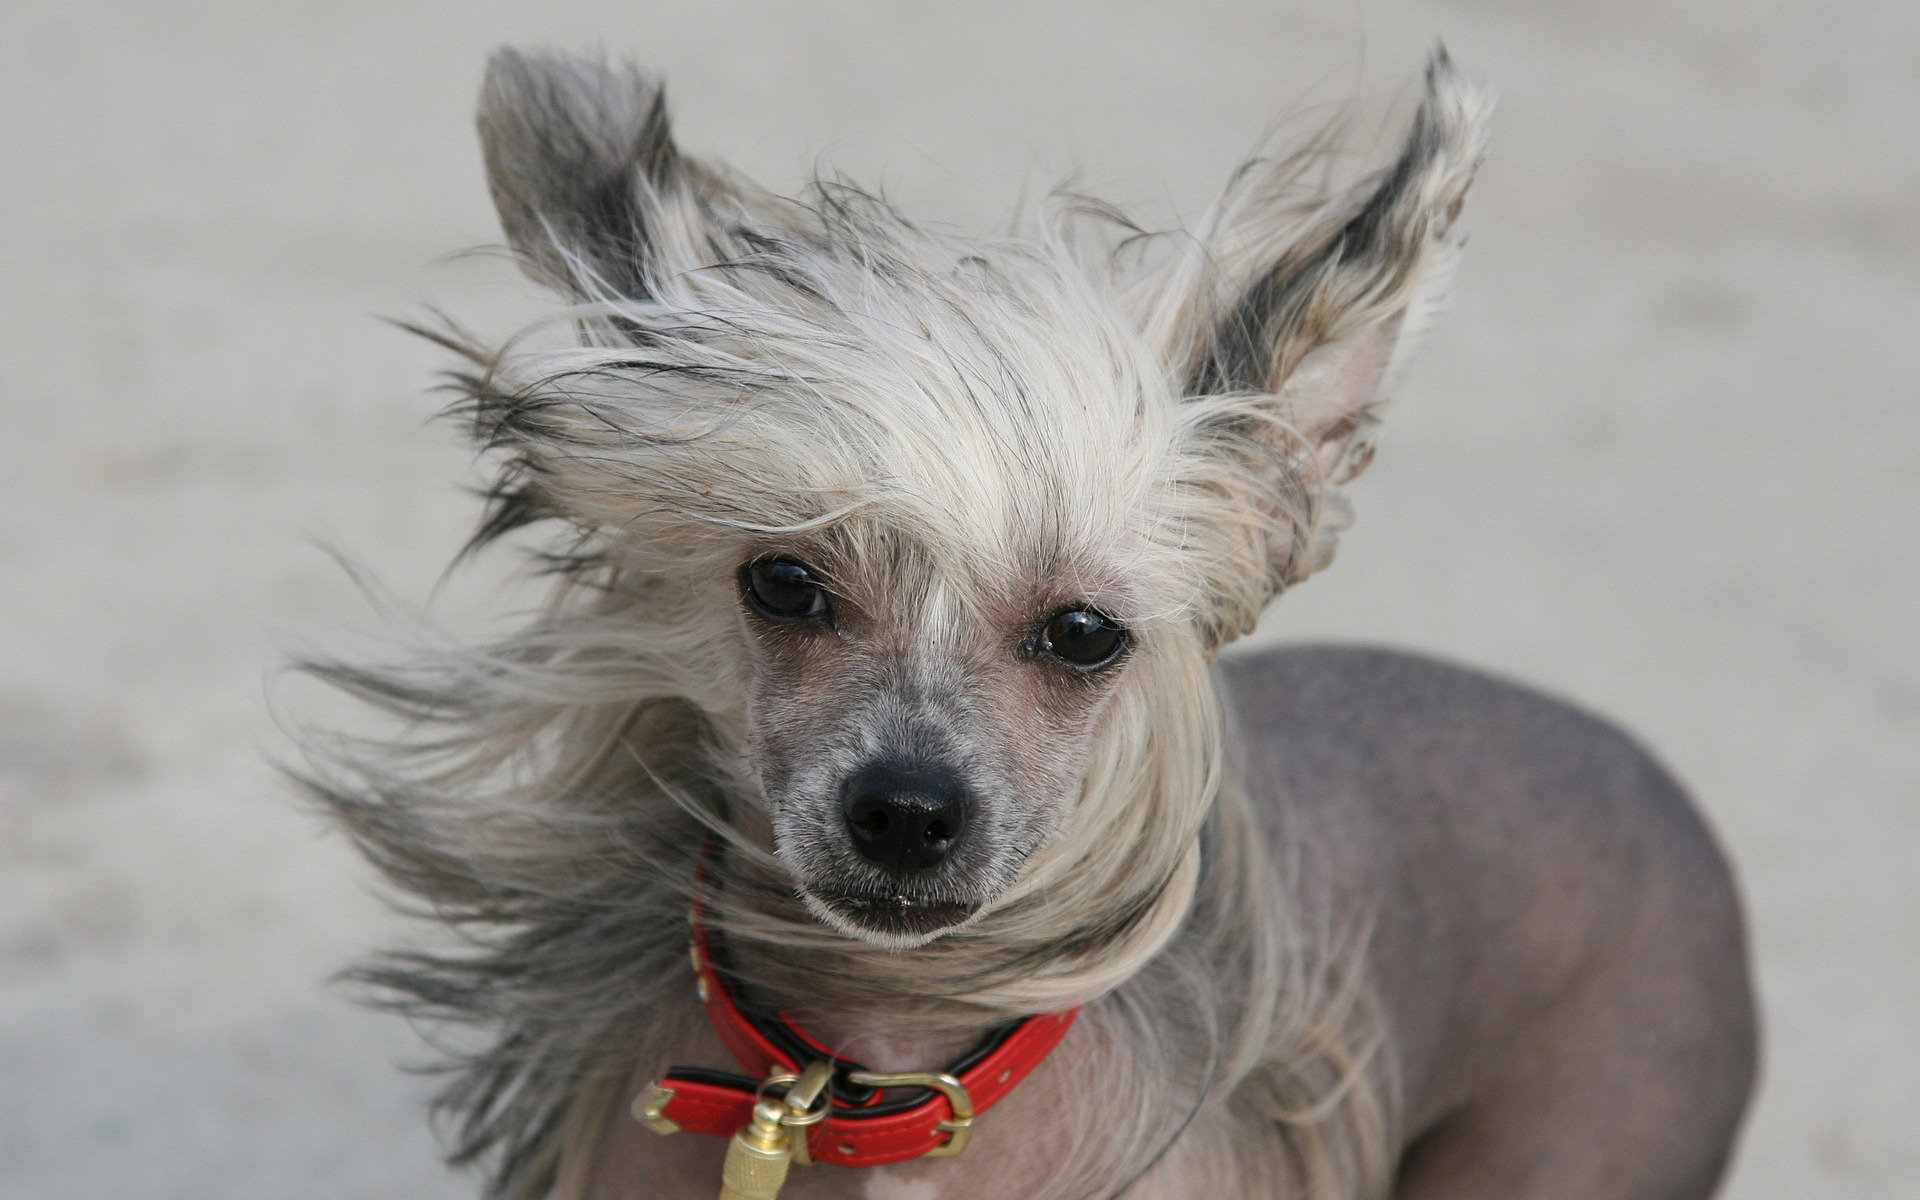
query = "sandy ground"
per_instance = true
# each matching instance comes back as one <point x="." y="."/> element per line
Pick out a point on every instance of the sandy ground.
<point x="1663" y="460"/>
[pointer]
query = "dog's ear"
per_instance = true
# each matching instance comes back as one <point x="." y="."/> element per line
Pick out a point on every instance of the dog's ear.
<point x="591" y="190"/>
<point x="1319" y="307"/>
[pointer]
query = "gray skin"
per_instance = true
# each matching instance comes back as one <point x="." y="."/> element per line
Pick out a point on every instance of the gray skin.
<point x="1556" y="940"/>
<point x="1556" y="945"/>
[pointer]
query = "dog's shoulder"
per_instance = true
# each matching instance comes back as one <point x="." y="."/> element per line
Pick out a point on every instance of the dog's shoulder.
<point x="1497" y="844"/>
<point x="1502" y="851"/>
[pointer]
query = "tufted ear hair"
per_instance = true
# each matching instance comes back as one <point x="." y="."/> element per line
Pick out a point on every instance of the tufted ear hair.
<point x="1320" y="308"/>
<point x="591" y="190"/>
<point x="1310" y="308"/>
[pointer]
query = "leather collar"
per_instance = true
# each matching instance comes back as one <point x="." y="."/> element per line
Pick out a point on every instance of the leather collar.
<point x="864" y="1120"/>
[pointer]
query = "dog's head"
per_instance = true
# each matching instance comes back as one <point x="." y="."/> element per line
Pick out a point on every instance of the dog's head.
<point x="921" y="523"/>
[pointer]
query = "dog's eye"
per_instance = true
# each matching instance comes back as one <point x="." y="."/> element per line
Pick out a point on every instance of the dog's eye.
<point x="785" y="589"/>
<point x="1083" y="637"/>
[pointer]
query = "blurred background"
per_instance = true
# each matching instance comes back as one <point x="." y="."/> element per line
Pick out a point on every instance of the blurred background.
<point x="1664" y="459"/>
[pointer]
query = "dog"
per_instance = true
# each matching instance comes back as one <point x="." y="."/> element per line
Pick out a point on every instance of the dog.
<point x="865" y="813"/>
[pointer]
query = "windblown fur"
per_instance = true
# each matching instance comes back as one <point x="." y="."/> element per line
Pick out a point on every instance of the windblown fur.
<point x="733" y="369"/>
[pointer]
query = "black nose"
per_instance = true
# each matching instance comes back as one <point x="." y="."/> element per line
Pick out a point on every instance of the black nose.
<point x="904" y="817"/>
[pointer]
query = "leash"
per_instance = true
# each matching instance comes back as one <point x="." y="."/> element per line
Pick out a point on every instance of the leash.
<point x="799" y="1102"/>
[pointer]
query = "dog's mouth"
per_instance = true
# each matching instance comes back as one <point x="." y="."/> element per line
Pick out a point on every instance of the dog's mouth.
<point x="892" y="917"/>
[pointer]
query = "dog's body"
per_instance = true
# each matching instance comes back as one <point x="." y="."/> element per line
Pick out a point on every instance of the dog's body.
<point x="895" y="571"/>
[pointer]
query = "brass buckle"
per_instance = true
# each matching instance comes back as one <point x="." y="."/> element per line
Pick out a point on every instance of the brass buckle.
<point x="958" y="1127"/>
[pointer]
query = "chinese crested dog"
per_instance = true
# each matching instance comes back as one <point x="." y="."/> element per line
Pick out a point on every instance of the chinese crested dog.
<point x="889" y="573"/>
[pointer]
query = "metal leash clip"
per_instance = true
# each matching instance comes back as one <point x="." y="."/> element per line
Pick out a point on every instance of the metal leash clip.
<point x="759" y="1155"/>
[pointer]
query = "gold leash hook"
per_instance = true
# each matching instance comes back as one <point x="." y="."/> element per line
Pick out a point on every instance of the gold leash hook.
<point x="758" y="1156"/>
<point x="807" y="1103"/>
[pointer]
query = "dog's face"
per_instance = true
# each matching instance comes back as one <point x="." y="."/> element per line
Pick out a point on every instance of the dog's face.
<point x="917" y="737"/>
<point x="917" y="516"/>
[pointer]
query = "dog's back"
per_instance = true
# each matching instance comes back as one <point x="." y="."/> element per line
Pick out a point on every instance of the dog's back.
<point x="1554" y="940"/>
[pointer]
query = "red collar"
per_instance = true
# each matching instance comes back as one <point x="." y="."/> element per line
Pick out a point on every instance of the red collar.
<point x="861" y="1118"/>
